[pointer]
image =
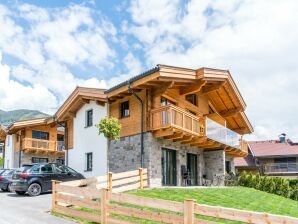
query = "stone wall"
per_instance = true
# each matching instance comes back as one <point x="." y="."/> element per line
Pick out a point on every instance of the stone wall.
<point x="125" y="155"/>
<point x="214" y="163"/>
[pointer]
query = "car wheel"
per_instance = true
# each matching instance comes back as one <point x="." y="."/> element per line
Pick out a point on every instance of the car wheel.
<point x="9" y="187"/>
<point x="34" y="189"/>
<point x="3" y="189"/>
<point x="20" y="192"/>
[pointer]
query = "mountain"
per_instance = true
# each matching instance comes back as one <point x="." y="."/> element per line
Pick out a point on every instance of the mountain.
<point x="7" y="117"/>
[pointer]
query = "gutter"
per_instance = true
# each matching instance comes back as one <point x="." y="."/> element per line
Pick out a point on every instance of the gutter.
<point x="142" y="121"/>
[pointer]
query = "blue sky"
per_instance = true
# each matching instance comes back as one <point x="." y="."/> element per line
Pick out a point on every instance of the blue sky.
<point x="49" y="47"/>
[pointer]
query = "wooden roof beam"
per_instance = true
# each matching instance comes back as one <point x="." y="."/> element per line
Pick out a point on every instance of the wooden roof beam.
<point x="213" y="87"/>
<point x="230" y="113"/>
<point x="174" y="136"/>
<point x="162" y="88"/>
<point x="193" y="88"/>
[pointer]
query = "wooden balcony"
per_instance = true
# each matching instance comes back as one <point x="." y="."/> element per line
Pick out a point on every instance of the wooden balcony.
<point x="174" y="123"/>
<point x="39" y="146"/>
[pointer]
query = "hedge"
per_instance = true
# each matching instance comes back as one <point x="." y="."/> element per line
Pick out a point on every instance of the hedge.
<point x="274" y="185"/>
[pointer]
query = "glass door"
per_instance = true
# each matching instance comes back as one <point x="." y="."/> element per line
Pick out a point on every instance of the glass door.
<point x="168" y="164"/>
<point x="192" y="168"/>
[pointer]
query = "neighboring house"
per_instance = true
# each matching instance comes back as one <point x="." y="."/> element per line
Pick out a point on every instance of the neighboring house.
<point x="87" y="150"/>
<point x="33" y="141"/>
<point x="2" y="140"/>
<point x="192" y="121"/>
<point x="271" y="157"/>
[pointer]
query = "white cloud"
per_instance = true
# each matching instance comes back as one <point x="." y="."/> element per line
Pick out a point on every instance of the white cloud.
<point x="257" y="41"/>
<point x="14" y="95"/>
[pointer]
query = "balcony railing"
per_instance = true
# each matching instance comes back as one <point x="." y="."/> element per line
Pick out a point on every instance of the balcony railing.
<point x="221" y="134"/>
<point x="173" y="116"/>
<point x="279" y="168"/>
<point x="39" y="144"/>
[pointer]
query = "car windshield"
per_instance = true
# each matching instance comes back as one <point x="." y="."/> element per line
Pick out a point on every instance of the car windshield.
<point x="64" y="169"/>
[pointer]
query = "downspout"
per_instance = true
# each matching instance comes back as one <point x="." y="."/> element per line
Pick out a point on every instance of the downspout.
<point x="65" y="138"/>
<point x="21" y="146"/>
<point x="142" y="122"/>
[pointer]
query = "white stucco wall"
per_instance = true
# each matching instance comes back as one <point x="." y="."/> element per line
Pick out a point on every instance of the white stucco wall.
<point x="87" y="140"/>
<point x="9" y="154"/>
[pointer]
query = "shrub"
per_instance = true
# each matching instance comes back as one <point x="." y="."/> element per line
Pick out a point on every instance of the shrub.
<point x="109" y="127"/>
<point x="294" y="193"/>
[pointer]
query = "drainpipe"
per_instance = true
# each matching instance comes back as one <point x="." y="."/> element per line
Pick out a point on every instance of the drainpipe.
<point x="142" y="122"/>
<point x="65" y="138"/>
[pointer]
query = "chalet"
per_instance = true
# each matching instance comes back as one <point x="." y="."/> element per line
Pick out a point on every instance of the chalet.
<point x="179" y="123"/>
<point x="86" y="150"/>
<point x="33" y="141"/>
<point x="271" y="157"/>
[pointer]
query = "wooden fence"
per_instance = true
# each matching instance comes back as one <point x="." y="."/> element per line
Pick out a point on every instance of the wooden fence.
<point x="105" y="206"/>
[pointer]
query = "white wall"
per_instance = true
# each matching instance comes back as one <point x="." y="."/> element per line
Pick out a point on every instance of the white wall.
<point x="87" y="140"/>
<point x="9" y="152"/>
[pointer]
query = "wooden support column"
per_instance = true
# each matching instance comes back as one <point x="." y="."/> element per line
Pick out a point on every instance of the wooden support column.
<point x="104" y="202"/>
<point x="54" y="193"/>
<point x="189" y="211"/>
<point x="141" y="177"/>
<point x="110" y="181"/>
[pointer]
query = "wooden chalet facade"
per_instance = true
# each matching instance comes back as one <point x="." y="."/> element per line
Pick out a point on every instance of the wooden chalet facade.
<point x="193" y="124"/>
<point x="34" y="141"/>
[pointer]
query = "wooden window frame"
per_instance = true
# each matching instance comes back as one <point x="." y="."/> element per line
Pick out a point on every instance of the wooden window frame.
<point x="120" y="109"/>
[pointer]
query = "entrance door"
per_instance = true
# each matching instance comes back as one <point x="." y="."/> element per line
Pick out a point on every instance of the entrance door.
<point x="168" y="164"/>
<point x="192" y="168"/>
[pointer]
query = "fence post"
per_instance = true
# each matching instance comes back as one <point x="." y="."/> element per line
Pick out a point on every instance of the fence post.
<point x="189" y="217"/>
<point x="104" y="201"/>
<point x="54" y="193"/>
<point x="110" y="181"/>
<point x="141" y="177"/>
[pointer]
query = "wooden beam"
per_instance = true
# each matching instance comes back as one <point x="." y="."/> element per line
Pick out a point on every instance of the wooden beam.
<point x="241" y="130"/>
<point x="193" y="88"/>
<point x="163" y="132"/>
<point x="85" y="100"/>
<point x="187" y="139"/>
<point x="100" y="103"/>
<point x="174" y="136"/>
<point x="213" y="88"/>
<point x="198" y="140"/>
<point x="162" y="88"/>
<point x="230" y="113"/>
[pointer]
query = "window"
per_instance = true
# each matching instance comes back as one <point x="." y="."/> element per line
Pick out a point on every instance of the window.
<point x="40" y="135"/>
<point x="47" y="168"/>
<point x="89" y="118"/>
<point x="60" y="161"/>
<point x="228" y="166"/>
<point x="60" y="137"/>
<point x="89" y="161"/>
<point x="39" y="160"/>
<point x="192" y="98"/>
<point x="124" y="109"/>
<point x="164" y="101"/>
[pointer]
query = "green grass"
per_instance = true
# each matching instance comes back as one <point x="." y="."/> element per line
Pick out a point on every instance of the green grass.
<point x="232" y="197"/>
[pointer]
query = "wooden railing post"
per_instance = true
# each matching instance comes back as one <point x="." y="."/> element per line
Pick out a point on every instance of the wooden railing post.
<point x="110" y="181"/>
<point x="54" y="193"/>
<point x="189" y="206"/>
<point x="141" y="177"/>
<point x="104" y="201"/>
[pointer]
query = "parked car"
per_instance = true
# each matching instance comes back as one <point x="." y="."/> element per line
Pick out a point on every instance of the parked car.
<point x="37" y="178"/>
<point x="5" y="179"/>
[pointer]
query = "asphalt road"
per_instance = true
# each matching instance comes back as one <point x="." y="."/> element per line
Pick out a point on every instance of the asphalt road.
<point x="15" y="209"/>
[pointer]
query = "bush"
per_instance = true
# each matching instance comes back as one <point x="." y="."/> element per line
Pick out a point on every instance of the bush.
<point x="109" y="127"/>
<point x="274" y="185"/>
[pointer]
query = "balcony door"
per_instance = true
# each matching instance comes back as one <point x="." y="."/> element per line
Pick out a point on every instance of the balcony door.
<point x="168" y="164"/>
<point x="165" y="114"/>
<point x="192" y="168"/>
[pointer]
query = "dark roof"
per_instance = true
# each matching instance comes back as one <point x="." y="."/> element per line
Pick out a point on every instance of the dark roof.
<point x="142" y="75"/>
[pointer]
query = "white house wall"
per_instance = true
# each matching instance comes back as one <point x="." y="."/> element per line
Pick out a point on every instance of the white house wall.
<point x="9" y="152"/>
<point x="86" y="140"/>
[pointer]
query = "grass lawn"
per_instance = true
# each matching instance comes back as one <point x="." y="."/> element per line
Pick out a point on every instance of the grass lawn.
<point x="232" y="197"/>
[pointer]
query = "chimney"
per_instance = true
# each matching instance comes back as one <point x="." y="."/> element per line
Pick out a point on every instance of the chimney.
<point x="282" y="138"/>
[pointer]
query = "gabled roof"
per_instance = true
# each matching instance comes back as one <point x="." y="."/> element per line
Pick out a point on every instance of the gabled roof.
<point x="3" y="133"/>
<point x="17" y="125"/>
<point x="77" y="99"/>
<point x="273" y="148"/>
<point x="217" y="84"/>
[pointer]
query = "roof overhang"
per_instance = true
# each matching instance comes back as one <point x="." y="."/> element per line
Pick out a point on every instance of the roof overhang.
<point x="217" y="84"/>
<point x="17" y="125"/>
<point x="3" y="133"/>
<point x="77" y="99"/>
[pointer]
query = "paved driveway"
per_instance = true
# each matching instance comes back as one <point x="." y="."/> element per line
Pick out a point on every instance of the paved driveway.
<point x="15" y="209"/>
